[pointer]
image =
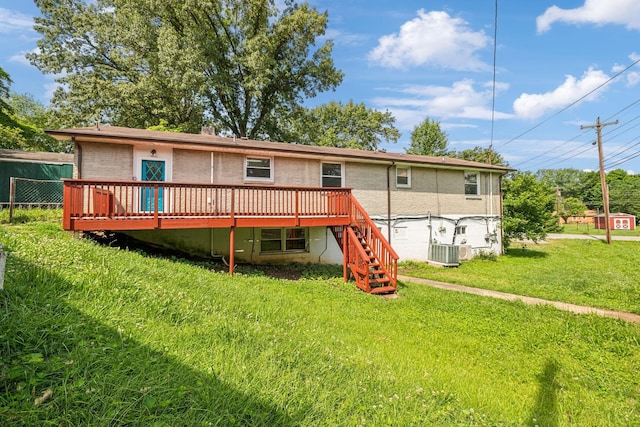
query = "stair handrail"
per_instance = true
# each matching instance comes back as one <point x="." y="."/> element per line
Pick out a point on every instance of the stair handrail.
<point x="388" y="259"/>
<point x="359" y="259"/>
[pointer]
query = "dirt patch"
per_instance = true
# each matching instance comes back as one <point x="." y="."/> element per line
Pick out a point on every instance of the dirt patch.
<point x="276" y="271"/>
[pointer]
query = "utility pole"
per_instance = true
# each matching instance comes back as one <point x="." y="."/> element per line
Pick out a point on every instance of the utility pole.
<point x="603" y="178"/>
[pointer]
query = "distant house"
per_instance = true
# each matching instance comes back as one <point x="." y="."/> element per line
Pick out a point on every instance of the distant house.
<point x="617" y="221"/>
<point x="32" y="165"/>
<point x="260" y="201"/>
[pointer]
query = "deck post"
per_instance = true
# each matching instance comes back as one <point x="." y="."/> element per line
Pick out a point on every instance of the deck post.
<point x="232" y="249"/>
<point x="67" y="205"/>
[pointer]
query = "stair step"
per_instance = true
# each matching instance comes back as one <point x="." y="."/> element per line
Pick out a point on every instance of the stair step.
<point x="383" y="290"/>
<point x="379" y="280"/>
<point x="376" y="271"/>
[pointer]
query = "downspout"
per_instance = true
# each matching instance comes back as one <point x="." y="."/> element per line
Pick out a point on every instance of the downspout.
<point x="389" y="202"/>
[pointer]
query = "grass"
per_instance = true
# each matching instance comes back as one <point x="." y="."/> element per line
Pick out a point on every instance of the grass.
<point x="112" y="337"/>
<point x="585" y="272"/>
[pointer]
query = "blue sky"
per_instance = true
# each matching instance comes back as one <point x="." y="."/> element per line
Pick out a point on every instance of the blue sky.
<point x="560" y="64"/>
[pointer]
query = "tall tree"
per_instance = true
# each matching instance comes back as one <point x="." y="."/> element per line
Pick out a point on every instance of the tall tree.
<point x="5" y="86"/>
<point x="241" y="66"/>
<point x="347" y="125"/>
<point x="528" y="206"/>
<point x="428" y="139"/>
<point x="481" y="155"/>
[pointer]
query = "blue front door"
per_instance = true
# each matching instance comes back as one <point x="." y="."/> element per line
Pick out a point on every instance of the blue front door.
<point x="152" y="170"/>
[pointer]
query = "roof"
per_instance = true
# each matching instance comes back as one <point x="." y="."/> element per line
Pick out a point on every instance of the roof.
<point x="116" y="134"/>
<point x="612" y="214"/>
<point x="35" y="156"/>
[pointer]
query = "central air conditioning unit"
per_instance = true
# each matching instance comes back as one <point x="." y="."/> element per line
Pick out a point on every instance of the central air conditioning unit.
<point x="465" y="253"/>
<point x="445" y="255"/>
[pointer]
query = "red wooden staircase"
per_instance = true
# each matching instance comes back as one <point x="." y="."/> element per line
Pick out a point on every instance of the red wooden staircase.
<point x="368" y="256"/>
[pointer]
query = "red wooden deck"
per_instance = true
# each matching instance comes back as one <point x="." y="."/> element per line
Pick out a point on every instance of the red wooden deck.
<point x="140" y="205"/>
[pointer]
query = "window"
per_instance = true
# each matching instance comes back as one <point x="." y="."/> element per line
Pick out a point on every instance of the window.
<point x="283" y="239"/>
<point x="332" y="174"/>
<point x="403" y="176"/>
<point x="258" y="169"/>
<point x="461" y="229"/>
<point x="471" y="184"/>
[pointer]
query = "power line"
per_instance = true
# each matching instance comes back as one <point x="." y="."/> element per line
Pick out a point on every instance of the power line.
<point x="571" y="104"/>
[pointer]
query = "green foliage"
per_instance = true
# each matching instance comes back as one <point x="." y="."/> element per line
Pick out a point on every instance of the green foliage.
<point x="347" y="125"/>
<point x="164" y="126"/>
<point x="242" y="67"/>
<point x="571" y="206"/>
<point x="428" y="139"/>
<point x="23" y="120"/>
<point x="118" y="338"/>
<point x="528" y="206"/>
<point x="5" y="86"/>
<point x="481" y="155"/>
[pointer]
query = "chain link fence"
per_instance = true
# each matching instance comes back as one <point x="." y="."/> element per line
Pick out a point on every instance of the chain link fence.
<point x="28" y="193"/>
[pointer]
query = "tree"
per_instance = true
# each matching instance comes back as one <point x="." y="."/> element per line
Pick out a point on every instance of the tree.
<point x="571" y="206"/>
<point x="527" y="208"/>
<point x="347" y="125"/>
<point x="481" y="155"/>
<point x="624" y="194"/>
<point x="5" y="85"/>
<point x="241" y="66"/>
<point x="428" y="139"/>
<point x="23" y="120"/>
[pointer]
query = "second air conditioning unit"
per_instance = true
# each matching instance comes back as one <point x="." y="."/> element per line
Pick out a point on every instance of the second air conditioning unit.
<point x="465" y="252"/>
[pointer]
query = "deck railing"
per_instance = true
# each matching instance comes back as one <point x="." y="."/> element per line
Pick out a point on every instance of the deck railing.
<point x="131" y="205"/>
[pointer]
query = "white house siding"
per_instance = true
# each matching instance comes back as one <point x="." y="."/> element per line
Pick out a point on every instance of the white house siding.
<point x="412" y="235"/>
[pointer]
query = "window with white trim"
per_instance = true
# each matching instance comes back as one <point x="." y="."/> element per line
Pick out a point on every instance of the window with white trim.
<point x="403" y="176"/>
<point x="258" y="168"/>
<point x="332" y="175"/>
<point x="283" y="240"/>
<point x="471" y="183"/>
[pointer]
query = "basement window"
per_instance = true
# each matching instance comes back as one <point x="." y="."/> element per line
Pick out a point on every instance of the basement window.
<point x="283" y="240"/>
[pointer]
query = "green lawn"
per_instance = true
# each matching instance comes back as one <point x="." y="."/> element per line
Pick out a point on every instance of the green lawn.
<point x="586" y="272"/>
<point x="114" y="337"/>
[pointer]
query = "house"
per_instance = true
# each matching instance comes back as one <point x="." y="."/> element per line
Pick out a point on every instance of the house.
<point x="33" y="165"/>
<point x="617" y="221"/>
<point x="261" y="201"/>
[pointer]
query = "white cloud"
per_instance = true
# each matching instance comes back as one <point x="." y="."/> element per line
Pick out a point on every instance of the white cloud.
<point x="531" y="106"/>
<point x="435" y="39"/>
<point x="12" y="21"/>
<point x="20" y="58"/>
<point x="458" y="101"/>
<point x="598" y="12"/>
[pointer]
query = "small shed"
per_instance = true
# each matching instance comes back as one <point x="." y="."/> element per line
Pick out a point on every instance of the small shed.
<point x="617" y="221"/>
